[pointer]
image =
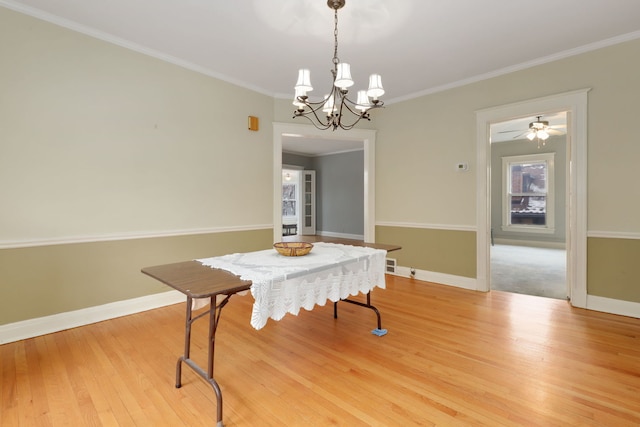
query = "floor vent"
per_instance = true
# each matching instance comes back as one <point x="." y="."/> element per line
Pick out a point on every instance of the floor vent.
<point x="391" y="265"/>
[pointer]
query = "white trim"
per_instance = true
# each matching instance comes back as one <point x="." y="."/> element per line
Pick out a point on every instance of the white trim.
<point x="606" y="305"/>
<point x="613" y="306"/>
<point x="329" y="153"/>
<point x="367" y="136"/>
<point x="72" y="319"/>
<point x="450" y="227"/>
<point x="292" y="167"/>
<point x="340" y="235"/>
<point x="439" y="278"/>
<point x="614" y="234"/>
<point x="575" y="103"/>
<point x="8" y="244"/>
<point x="531" y="229"/>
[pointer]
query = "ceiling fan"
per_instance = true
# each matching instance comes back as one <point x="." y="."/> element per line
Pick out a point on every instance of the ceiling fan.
<point x="538" y="129"/>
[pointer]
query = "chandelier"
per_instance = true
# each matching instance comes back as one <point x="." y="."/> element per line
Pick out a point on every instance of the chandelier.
<point x="336" y="110"/>
<point x="538" y="129"/>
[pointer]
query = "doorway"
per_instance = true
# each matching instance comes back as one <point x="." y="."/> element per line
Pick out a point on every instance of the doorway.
<point x="575" y="104"/>
<point x="367" y="137"/>
<point x="528" y="196"/>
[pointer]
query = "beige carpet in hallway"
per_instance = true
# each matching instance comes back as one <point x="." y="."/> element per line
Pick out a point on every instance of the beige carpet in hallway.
<point x="528" y="270"/>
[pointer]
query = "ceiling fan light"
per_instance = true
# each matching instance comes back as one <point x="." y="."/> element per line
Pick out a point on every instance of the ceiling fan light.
<point x="531" y="136"/>
<point x="343" y="76"/>
<point x="304" y="80"/>
<point x="542" y="134"/>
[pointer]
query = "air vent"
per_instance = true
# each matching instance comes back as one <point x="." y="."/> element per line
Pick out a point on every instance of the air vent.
<point x="391" y="266"/>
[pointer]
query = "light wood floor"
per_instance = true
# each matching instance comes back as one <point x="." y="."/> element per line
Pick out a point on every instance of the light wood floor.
<point x="451" y="357"/>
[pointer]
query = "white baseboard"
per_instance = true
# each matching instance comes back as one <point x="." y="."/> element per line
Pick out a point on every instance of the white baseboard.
<point x="596" y="303"/>
<point x="613" y="306"/>
<point x="440" y="278"/>
<point x="340" y="235"/>
<point x="530" y="243"/>
<point x="58" y="322"/>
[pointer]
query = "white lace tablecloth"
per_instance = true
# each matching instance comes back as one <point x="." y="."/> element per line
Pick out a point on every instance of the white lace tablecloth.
<point x="283" y="284"/>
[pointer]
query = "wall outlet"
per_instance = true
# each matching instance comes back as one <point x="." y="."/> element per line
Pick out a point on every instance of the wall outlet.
<point x="461" y="167"/>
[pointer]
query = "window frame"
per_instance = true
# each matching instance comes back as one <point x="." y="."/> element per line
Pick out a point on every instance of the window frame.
<point x="507" y="162"/>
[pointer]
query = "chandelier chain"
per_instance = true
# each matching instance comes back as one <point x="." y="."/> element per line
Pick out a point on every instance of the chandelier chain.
<point x="336" y="61"/>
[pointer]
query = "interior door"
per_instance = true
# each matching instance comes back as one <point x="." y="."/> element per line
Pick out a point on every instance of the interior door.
<point x="308" y="197"/>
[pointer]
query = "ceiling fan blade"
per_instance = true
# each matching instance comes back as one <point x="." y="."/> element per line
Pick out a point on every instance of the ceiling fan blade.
<point x="554" y="132"/>
<point x="509" y="131"/>
<point x="521" y="134"/>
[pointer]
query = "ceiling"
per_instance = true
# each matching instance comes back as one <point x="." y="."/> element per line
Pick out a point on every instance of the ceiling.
<point x="517" y="129"/>
<point x="318" y="147"/>
<point x="418" y="46"/>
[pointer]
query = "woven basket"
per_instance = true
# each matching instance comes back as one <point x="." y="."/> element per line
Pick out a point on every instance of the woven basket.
<point x="293" y="248"/>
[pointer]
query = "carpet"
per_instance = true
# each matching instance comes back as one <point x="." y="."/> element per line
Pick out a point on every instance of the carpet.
<point x="528" y="270"/>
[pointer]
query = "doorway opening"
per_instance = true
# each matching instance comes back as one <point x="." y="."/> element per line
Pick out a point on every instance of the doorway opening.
<point x="528" y="194"/>
<point x="575" y="105"/>
<point x="366" y="137"/>
<point x="291" y="200"/>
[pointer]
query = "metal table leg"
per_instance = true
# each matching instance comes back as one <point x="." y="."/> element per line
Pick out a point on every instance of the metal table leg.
<point x="214" y="318"/>
<point x="379" y="331"/>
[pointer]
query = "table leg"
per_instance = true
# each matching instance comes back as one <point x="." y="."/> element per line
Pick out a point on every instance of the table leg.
<point x="379" y="331"/>
<point x="214" y="317"/>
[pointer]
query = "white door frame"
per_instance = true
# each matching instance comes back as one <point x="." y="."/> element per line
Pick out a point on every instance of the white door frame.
<point x="367" y="136"/>
<point x="575" y="103"/>
<point x="303" y="228"/>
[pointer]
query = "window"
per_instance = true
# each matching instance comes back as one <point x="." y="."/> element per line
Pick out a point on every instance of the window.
<point x="289" y="200"/>
<point x="528" y="193"/>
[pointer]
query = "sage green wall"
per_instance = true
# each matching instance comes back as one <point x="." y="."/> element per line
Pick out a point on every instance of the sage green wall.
<point x="614" y="270"/>
<point x="419" y="141"/>
<point x="101" y="144"/>
<point x="442" y="251"/>
<point x="45" y="280"/>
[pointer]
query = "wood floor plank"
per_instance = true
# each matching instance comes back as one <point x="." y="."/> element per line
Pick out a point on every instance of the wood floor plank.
<point x="451" y="357"/>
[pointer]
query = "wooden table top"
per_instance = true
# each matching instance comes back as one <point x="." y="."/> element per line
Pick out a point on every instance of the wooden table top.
<point x="197" y="280"/>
